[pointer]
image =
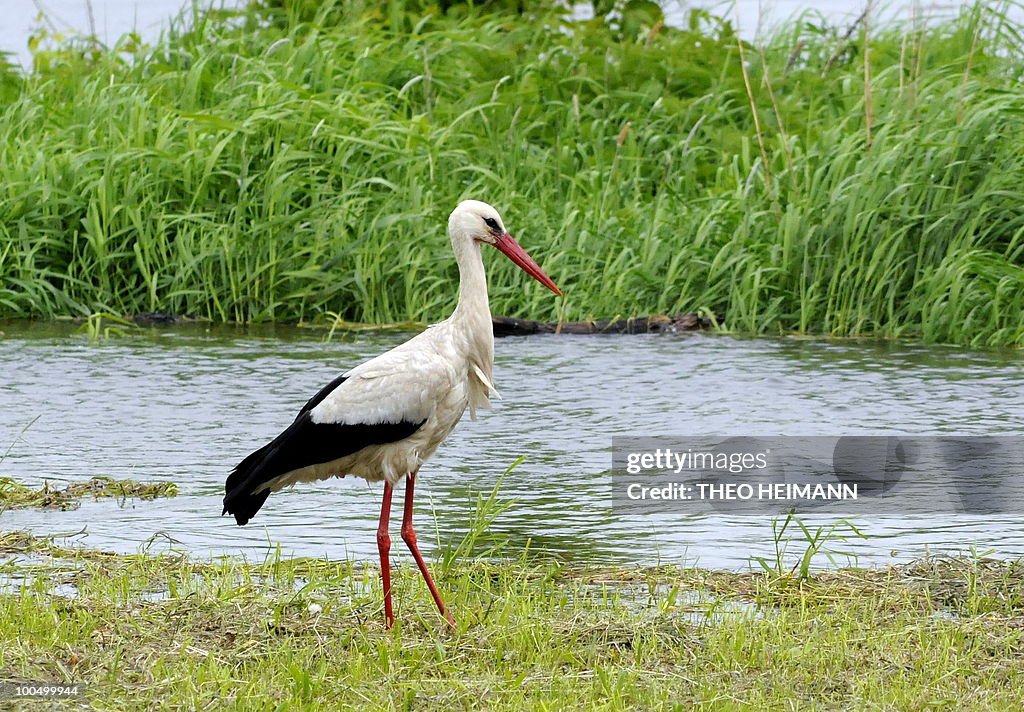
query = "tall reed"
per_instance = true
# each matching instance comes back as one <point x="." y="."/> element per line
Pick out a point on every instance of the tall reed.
<point x="281" y="164"/>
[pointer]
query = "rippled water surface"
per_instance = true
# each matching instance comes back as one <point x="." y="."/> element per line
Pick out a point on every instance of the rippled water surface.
<point x="185" y="404"/>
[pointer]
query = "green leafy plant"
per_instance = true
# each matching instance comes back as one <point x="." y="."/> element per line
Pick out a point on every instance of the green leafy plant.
<point x="485" y="511"/>
<point x="103" y="326"/>
<point x="820" y="540"/>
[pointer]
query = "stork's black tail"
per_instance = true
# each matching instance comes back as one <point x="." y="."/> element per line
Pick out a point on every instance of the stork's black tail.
<point x="260" y="466"/>
<point x="238" y="497"/>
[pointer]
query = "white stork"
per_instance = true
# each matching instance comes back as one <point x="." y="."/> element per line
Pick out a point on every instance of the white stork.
<point x="382" y="419"/>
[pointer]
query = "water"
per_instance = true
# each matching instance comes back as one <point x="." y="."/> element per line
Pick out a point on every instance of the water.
<point x="185" y="404"/>
<point x="110" y="19"/>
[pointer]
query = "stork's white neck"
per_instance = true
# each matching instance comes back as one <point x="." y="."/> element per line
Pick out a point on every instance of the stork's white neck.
<point x="473" y="304"/>
<point x="470" y="325"/>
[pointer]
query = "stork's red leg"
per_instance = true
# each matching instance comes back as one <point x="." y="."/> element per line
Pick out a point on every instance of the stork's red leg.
<point x="384" y="547"/>
<point x="409" y="537"/>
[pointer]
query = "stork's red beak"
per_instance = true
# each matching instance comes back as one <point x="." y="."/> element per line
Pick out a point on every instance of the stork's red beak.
<point x="508" y="245"/>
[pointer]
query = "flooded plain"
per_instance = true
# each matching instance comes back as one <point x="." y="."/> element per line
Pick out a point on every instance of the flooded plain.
<point x="184" y="404"/>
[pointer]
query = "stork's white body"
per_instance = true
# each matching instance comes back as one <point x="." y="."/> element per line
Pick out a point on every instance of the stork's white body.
<point x="382" y="419"/>
<point x="434" y="377"/>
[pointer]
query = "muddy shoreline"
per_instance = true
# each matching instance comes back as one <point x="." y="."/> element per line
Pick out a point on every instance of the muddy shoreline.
<point x="511" y="326"/>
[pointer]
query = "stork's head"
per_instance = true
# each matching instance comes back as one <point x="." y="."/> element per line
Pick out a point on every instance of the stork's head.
<point x="478" y="221"/>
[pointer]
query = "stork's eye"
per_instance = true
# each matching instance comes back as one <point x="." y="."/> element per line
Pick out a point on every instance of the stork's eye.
<point x="492" y="223"/>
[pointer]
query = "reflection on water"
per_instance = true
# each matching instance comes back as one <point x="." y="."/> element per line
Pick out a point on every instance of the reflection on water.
<point x="186" y="404"/>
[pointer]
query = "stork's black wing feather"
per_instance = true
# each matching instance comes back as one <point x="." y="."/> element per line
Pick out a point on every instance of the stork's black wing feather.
<point x="302" y="444"/>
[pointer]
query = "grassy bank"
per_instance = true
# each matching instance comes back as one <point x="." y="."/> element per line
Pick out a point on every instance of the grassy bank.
<point x="281" y="164"/>
<point x="150" y="631"/>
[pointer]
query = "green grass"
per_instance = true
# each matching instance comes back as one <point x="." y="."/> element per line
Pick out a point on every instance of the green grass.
<point x="159" y="630"/>
<point x="286" y="164"/>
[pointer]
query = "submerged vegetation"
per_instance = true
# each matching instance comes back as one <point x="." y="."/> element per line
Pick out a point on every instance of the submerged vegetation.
<point x="299" y="158"/>
<point x="15" y="495"/>
<point x="152" y="630"/>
